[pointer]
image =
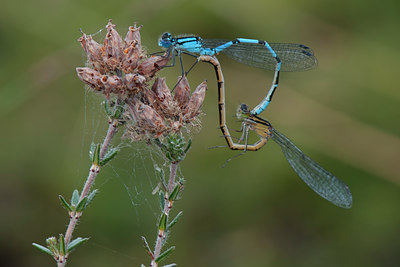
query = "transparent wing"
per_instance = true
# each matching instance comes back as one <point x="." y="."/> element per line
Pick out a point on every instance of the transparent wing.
<point x="317" y="178"/>
<point x="294" y="57"/>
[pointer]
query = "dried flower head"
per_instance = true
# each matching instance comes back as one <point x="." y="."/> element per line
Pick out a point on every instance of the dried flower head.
<point x="121" y="68"/>
<point x="118" y="66"/>
<point x="159" y="113"/>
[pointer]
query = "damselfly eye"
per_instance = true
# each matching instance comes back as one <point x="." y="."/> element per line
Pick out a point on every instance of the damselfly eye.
<point x="166" y="36"/>
<point x="244" y="108"/>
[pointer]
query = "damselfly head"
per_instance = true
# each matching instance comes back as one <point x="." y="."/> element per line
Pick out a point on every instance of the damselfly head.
<point x="242" y="111"/>
<point x="165" y="40"/>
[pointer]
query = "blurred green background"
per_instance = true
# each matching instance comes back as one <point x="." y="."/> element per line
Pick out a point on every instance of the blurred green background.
<point x="256" y="211"/>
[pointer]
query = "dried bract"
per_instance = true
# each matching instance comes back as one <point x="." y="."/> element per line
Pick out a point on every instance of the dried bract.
<point x="182" y="92"/>
<point x="163" y="101"/>
<point x="196" y="100"/>
<point x="94" y="52"/>
<point x="112" y="48"/>
<point x="151" y="65"/>
<point x="134" y="81"/>
<point x="91" y="77"/>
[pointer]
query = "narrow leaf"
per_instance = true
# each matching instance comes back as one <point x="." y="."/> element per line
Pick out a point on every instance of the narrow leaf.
<point x="188" y="145"/>
<point x="175" y="220"/>
<point x="42" y="248"/>
<point x="106" y="108"/>
<point x="169" y="265"/>
<point x="147" y="247"/>
<point x="91" y="197"/>
<point x="82" y="204"/>
<point x="174" y="193"/>
<point x="61" y="243"/>
<point x="65" y="203"/>
<point x="75" y="198"/>
<point x="163" y="222"/>
<point x="165" y="254"/>
<point x="156" y="189"/>
<point x="76" y="242"/>
<point x="111" y="153"/>
<point x="162" y="201"/>
<point x="92" y="150"/>
<point x="96" y="155"/>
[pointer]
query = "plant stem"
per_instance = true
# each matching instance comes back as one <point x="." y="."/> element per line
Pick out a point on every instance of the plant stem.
<point x="172" y="175"/>
<point x="167" y="207"/>
<point x="94" y="170"/>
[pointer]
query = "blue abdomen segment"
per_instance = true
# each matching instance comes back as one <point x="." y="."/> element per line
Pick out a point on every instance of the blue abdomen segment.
<point x="264" y="103"/>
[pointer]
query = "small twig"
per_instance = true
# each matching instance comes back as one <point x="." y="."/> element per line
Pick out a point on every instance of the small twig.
<point x="94" y="170"/>
<point x="167" y="207"/>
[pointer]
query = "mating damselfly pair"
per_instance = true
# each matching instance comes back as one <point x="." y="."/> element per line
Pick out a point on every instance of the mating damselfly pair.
<point x="273" y="56"/>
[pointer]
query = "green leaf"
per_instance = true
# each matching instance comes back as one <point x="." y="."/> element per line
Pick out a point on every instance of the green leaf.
<point x="42" y="248"/>
<point x="111" y="153"/>
<point x="76" y="242"/>
<point x="65" y="203"/>
<point x="162" y="201"/>
<point x="174" y="193"/>
<point x="147" y="247"/>
<point x="169" y="265"/>
<point x="175" y="220"/>
<point x="61" y="244"/>
<point x="163" y="222"/>
<point x="75" y="198"/>
<point x="92" y="150"/>
<point x="82" y="204"/>
<point x="165" y="254"/>
<point x="174" y="147"/>
<point x="91" y="197"/>
<point x="96" y="155"/>
<point x="189" y="144"/>
<point x="106" y="108"/>
<point x="119" y="109"/>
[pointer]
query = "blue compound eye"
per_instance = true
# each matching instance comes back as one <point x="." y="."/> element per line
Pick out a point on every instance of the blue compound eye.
<point x="165" y="40"/>
<point x="166" y="36"/>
